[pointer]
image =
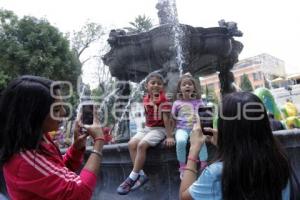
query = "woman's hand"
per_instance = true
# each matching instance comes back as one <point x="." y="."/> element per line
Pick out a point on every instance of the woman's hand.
<point x="214" y="138"/>
<point x="94" y="130"/>
<point x="79" y="137"/>
<point x="197" y="138"/>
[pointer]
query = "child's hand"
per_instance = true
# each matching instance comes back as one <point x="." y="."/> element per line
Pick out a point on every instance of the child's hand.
<point x="169" y="142"/>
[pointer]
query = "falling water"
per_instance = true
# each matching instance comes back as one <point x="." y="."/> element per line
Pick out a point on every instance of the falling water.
<point x="105" y="102"/>
<point x="107" y="98"/>
<point x="81" y="96"/>
<point x="128" y="104"/>
<point x="172" y="18"/>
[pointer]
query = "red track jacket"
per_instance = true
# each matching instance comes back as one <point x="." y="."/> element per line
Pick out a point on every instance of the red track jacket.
<point x="45" y="174"/>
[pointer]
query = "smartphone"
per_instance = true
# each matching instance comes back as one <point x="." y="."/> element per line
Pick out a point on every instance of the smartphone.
<point x="87" y="116"/>
<point x="206" y="119"/>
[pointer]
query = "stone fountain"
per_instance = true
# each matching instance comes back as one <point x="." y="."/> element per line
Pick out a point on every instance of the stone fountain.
<point x="172" y="48"/>
<point x="204" y="50"/>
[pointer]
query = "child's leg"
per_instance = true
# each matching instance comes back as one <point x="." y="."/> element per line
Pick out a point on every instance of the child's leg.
<point x="126" y="185"/>
<point x="133" y="143"/>
<point x="154" y="136"/>
<point x="151" y="138"/>
<point x="140" y="156"/>
<point x="203" y="155"/>
<point x="132" y="146"/>
<point x="181" y="137"/>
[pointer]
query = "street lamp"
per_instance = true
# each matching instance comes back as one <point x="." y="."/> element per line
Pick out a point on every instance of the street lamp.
<point x="289" y="89"/>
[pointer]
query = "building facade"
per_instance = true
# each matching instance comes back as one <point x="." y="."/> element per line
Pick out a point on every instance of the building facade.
<point x="261" y="70"/>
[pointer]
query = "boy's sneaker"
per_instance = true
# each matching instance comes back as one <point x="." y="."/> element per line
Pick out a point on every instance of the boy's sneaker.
<point x="140" y="182"/>
<point x="126" y="186"/>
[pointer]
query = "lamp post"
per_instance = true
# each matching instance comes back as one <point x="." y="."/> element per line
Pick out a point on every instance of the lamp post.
<point x="289" y="89"/>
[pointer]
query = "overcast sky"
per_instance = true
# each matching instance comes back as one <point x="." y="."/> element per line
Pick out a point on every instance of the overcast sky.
<point x="269" y="26"/>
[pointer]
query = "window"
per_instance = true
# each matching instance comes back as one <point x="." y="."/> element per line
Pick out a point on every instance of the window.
<point x="257" y="76"/>
<point x="257" y="86"/>
<point x="241" y="78"/>
<point x="211" y="86"/>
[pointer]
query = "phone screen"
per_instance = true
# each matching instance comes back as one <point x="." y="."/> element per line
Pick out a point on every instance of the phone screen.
<point x="87" y="114"/>
<point x="206" y="118"/>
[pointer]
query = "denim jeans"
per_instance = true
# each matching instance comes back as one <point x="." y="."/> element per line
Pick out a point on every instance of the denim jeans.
<point x="182" y="137"/>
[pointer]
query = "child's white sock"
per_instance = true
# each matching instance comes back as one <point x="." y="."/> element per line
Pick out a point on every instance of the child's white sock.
<point x="133" y="175"/>
<point x="141" y="173"/>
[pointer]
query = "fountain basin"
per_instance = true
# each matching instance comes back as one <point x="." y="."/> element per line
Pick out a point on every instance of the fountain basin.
<point x="162" y="169"/>
<point x="203" y="49"/>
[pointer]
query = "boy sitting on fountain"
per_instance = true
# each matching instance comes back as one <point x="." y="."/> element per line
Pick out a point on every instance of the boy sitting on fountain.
<point x="158" y="125"/>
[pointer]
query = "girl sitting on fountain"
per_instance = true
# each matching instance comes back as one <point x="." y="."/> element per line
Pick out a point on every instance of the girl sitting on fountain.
<point x="158" y="125"/>
<point x="183" y="111"/>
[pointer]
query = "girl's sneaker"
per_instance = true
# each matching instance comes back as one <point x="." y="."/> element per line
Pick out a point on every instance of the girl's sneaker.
<point x="181" y="170"/>
<point x="181" y="174"/>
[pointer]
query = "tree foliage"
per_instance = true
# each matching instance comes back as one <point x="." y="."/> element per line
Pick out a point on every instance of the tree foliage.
<point x="211" y="95"/>
<point x="33" y="46"/>
<point x="140" y="24"/>
<point x="106" y="114"/>
<point x="245" y="84"/>
<point x="87" y="35"/>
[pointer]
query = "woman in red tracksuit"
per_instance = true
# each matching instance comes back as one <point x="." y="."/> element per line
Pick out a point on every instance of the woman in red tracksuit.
<point x="32" y="165"/>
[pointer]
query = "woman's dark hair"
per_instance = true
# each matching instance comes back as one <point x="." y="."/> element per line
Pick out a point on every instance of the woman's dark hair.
<point x="254" y="165"/>
<point x="24" y="105"/>
<point x="195" y="83"/>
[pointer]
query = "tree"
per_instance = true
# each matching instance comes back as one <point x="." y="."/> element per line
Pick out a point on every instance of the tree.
<point x="102" y="73"/>
<point x="33" y="46"/>
<point x="90" y="36"/>
<point x="245" y="84"/>
<point x="81" y="40"/>
<point x="106" y="109"/>
<point x="141" y="24"/>
<point x="3" y="80"/>
<point x="211" y="95"/>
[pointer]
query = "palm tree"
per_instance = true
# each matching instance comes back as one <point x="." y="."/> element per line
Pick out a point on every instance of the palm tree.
<point x="141" y="24"/>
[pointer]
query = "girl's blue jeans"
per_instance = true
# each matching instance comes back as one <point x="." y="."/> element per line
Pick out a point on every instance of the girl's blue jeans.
<point x="182" y="136"/>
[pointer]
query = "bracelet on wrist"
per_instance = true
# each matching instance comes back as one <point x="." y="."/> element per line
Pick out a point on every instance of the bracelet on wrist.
<point x="191" y="170"/>
<point x="99" y="138"/>
<point x="98" y="153"/>
<point x="194" y="160"/>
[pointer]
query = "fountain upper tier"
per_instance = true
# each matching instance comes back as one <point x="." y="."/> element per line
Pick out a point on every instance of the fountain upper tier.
<point x="205" y="50"/>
